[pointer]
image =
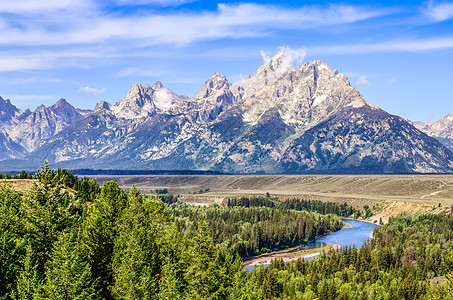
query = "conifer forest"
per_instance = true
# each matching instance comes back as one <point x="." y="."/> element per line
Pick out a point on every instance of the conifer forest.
<point x="70" y="238"/>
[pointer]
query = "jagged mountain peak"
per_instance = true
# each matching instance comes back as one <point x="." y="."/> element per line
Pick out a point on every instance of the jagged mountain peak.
<point x="101" y="105"/>
<point x="145" y="101"/>
<point x="157" y="86"/>
<point x="42" y="107"/>
<point x="136" y="90"/>
<point x="44" y="123"/>
<point x="4" y="101"/>
<point x="10" y="115"/>
<point x="448" y="117"/>
<point x="212" y="99"/>
<point x="279" y="63"/>
<point x="64" y="109"/>
<point x="271" y="71"/>
<point x="136" y="104"/>
<point x="62" y="103"/>
<point x="441" y="129"/>
<point x="283" y="119"/>
<point x="7" y="110"/>
<point x="217" y="82"/>
<point x="303" y="95"/>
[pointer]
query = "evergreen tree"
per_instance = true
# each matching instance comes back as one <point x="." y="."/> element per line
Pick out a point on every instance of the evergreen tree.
<point x="29" y="282"/>
<point x="138" y="252"/>
<point x="100" y="230"/>
<point x="68" y="274"/>
<point x="12" y="243"/>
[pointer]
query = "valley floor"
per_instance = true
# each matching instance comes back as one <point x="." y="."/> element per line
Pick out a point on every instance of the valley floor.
<point x="390" y="195"/>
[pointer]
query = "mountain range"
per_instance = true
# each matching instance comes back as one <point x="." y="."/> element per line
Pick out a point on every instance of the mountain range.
<point x="284" y="119"/>
<point x="442" y="130"/>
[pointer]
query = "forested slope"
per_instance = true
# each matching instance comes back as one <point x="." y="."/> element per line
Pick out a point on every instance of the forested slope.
<point x="70" y="239"/>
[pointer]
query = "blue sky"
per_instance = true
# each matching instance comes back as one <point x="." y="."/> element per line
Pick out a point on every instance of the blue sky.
<point x="400" y="56"/>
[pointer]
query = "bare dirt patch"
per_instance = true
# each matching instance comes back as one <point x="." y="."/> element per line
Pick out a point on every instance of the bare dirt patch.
<point x="288" y="255"/>
<point x="390" y="208"/>
<point x="21" y="185"/>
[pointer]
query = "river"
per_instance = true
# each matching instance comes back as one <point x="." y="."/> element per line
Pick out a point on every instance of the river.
<point x="355" y="235"/>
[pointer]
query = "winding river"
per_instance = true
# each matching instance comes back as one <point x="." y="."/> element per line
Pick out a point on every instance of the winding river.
<point x="357" y="234"/>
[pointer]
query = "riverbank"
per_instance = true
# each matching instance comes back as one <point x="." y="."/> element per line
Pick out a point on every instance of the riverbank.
<point x="288" y="255"/>
<point x="354" y="232"/>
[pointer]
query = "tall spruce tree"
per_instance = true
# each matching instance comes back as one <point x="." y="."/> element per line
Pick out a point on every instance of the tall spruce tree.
<point x="138" y="253"/>
<point x="99" y="233"/>
<point x="68" y="273"/>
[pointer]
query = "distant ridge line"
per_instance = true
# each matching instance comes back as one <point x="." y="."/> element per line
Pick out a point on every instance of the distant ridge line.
<point x="144" y="172"/>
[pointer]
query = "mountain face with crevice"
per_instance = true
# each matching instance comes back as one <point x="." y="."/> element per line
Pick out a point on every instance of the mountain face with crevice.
<point x="441" y="129"/>
<point x="307" y="119"/>
<point x="44" y="123"/>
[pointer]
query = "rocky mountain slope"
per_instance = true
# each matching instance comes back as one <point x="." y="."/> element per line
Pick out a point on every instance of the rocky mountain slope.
<point x="441" y="129"/>
<point x="10" y="117"/>
<point x="281" y="120"/>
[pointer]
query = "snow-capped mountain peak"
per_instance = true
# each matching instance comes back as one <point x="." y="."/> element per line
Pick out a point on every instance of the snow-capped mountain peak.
<point x="283" y="119"/>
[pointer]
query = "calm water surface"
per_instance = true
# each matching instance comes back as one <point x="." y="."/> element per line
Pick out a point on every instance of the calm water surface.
<point x="357" y="235"/>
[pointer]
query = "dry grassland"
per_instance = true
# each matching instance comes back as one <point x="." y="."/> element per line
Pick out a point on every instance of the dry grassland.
<point x="21" y="185"/>
<point x="357" y="190"/>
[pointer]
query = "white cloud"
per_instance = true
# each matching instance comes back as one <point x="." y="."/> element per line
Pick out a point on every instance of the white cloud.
<point x="163" y="98"/>
<point x="8" y="64"/>
<point x="265" y="56"/>
<point x="392" y="81"/>
<point x="41" y="6"/>
<point x="126" y="72"/>
<point x="30" y="97"/>
<point x="287" y="58"/>
<point x="415" y="45"/>
<point x="439" y="12"/>
<point x="31" y="101"/>
<point x="228" y="21"/>
<point x="281" y="63"/>
<point x="154" y="2"/>
<point x="362" y="81"/>
<point x="92" y="90"/>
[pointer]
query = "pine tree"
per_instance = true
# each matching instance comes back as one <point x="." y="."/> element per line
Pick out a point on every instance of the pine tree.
<point x="138" y="253"/>
<point x="68" y="274"/>
<point x="202" y="271"/>
<point x="100" y="230"/>
<point x="12" y="244"/>
<point x="28" y="282"/>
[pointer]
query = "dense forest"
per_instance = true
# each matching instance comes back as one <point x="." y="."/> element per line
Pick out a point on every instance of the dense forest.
<point x="71" y="239"/>
<point x="251" y="231"/>
<point x="322" y="207"/>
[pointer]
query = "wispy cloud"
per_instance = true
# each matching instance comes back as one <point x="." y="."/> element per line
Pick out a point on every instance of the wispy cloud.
<point x="43" y="6"/>
<point x="414" y="45"/>
<point x="30" y="97"/>
<point x="126" y="72"/>
<point x="162" y="3"/>
<point x="31" y="101"/>
<point x="362" y="81"/>
<point x="228" y="21"/>
<point x="392" y="81"/>
<point x="439" y="11"/>
<point x="8" y="64"/>
<point x="92" y="90"/>
<point x="23" y="60"/>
